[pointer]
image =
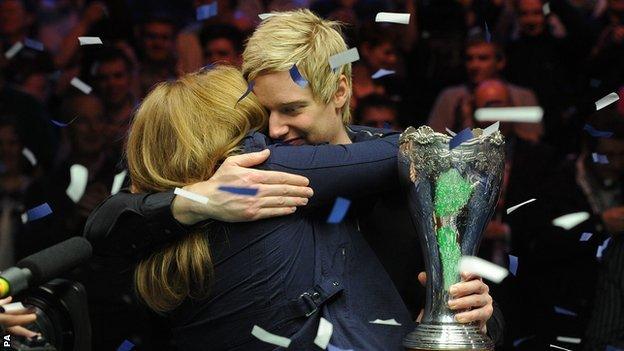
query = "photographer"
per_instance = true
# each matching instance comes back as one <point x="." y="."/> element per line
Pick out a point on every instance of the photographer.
<point x="12" y="322"/>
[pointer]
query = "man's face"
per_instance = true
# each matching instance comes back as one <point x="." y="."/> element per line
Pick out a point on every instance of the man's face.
<point x="13" y="17"/>
<point x="381" y="56"/>
<point x="481" y="63"/>
<point x="158" y="41"/>
<point x="380" y="117"/>
<point x="614" y="150"/>
<point x="113" y="81"/>
<point x="88" y="130"/>
<point x="294" y="116"/>
<point x="221" y="50"/>
<point x="531" y="17"/>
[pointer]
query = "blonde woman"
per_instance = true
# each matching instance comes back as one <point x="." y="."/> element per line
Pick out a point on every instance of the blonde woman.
<point x="281" y="274"/>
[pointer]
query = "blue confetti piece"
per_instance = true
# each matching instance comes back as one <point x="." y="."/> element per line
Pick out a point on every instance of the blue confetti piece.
<point x="206" y="11"/>
<point x="488" y="35"/>
<point x="33" y="44"/>
<point x="597" y="133"/>
<point x="125" y="346"/>
<point x="561" y="310"/>
<point x="513" y="264"/>
<point x="297" y="77"/>
<point x="460" y="137"/>
<point x="517" y="342"/>
<point x="382" y="73"/>
<point x="331" y="347"/>
<point x="239" y="190"/>
<point x="585" y="236"/>
<point x="341" y="206"/>
<point x="250" y="86"/>
<point x="38" y="212"/>
<point x="599" y="158"/>
<point x="602" y="247"/>
<point x="207" y="67"/>
<point x="61" y="124"/>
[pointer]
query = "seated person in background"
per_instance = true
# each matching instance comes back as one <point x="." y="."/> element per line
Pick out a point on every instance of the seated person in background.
<point x="377" y="111"/>
<point x="484" y="60"/>
<point x="222" y="44"/>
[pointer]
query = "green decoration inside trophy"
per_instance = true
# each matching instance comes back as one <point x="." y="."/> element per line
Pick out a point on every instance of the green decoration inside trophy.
<point x="451" y="195"/>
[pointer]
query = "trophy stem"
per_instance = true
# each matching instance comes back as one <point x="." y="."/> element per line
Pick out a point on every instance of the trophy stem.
<point x="456" y="337"/>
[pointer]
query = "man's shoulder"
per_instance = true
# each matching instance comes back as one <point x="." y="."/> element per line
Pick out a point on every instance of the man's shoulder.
<point x="518" y="92"/>
<point x="255" y="141"/>
<point x="362" y="133"/>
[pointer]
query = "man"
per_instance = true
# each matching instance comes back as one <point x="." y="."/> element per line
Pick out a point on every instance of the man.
<point x="157" y="38"/>
<point x="484" y="60"/>
<point x="222" y="44"/>
<point x="315" y="114"/>
<point x="377" y="111"/>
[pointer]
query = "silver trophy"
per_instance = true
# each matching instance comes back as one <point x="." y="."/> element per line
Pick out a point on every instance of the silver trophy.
<point x="452" y="195"/>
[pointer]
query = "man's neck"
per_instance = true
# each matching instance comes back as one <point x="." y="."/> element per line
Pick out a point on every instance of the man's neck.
<point x="341" y="137"/>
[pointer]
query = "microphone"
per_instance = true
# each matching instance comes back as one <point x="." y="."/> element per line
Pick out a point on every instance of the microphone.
<point x="44" y="265"/>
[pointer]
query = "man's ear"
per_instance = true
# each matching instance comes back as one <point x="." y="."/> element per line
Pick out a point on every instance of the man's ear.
<point x="342" y="93"/>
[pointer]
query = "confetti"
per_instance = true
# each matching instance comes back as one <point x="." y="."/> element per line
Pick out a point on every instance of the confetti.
<point x="602" y="247"/>
<point x="452" y="133"/>
<point x="297" y="77"/>
<point x="323" y="333"/>
<point x="13" y="307"/>
<point x="341" y="206"/>
<point x="571" y="220"/>
<point x="525" y="114"/>
<point x="33" y="44"/>
<point x="36" y="212"/>
<point x="585" y="236"/>
<point x="62" y="124"/>
<point x="29" y="156"/>
<point x="483" y="268"/>
<point x="606" y="101"/>
<point x="206" y="11"/>
<point x="331" y="347"/>
<point x="546" y="9"/>
<point x="517" y="342"/>
<point x="599" y="158"/>
<point x="125" y="346"/>
<point x="269" y="338"/>
<point x="559" y="347"/>
<point x="597" y="133"/>
<point x="264" y="16"/>
<point x="561" y="310"/>
<point x="80" y="85"/>
<point x="250" y="87"/>
<point x="239" y="190"/>
<point x="513" y="264"/>
<point x="344" y="58"/>
<point x="491" y="129"/>
<point x="191" y="196"/>
<point x="382" y="73"/>
<point x="89" y="40"/>
<point x="569" y="340"/>
<point x="79" y="176"/>
<point x="513" y="208"/>
<point x="393" y="17"/>
<point x="460" y="137"/>
<point x="386" y="322"/>
<point x="488" y="35"/>
<point x="13" y="50"/>
<point x="118" y="181"/>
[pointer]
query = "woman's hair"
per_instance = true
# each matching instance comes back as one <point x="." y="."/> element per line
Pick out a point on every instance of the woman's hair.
<point x="181" y="132"/>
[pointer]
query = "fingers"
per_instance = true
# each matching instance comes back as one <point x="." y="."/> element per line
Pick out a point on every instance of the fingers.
<point x="281" y="201"/>
<point x="6" y="300"/>
<point x="468" y="288"/>
<point x="480" y="315"/>
<point x="10" y="320"/>
<point x="272" y="212"/>
<point x="273" y="177"/>
<point x="248" y="160"/>
<point x="21" y="331"/>
<point x="422" y="278"/>
<point x="285" y="190"/>
<point x="466" y="302"/>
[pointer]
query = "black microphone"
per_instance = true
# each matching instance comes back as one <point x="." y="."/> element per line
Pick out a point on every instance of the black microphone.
<point x="44" y="265"/>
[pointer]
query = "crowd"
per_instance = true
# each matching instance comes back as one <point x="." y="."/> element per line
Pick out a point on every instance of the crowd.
<point x="454" y="57"/>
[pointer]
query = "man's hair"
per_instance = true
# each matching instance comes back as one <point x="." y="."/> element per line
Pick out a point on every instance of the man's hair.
<point x="373" y="100"/>
<point x="222" y="31"/>
<point x="478" y="38"/>
<point x="111" y="54"/>
<point x="302" y="38"/>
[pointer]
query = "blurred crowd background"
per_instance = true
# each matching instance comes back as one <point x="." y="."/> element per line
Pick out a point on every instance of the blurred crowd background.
<point x="454" y="57"/>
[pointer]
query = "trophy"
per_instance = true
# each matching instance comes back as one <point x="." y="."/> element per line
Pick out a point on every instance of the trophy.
<point x="452" y="194"/>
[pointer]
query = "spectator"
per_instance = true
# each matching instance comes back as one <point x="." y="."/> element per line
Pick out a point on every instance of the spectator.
<point x="157" y="63"/>
<point x="377" y="111"/>
<point x="223" y="44"/>
<point x="16" y="20"/>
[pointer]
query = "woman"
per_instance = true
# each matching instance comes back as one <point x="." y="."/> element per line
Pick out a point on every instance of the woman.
<point x="281" y="274"/>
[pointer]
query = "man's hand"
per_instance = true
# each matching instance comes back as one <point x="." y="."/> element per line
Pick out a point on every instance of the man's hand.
<point x="471" y="295"/>
<point x="613" y="219"/>
<point x="12" y="321"/>
<point x="279" y="193"/>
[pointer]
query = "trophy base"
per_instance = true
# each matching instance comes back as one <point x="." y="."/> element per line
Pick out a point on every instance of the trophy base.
<point x="457" y="337"/>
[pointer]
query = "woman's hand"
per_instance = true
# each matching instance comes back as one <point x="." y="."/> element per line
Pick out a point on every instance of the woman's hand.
<point x="278" y="194"/>
<point x="12" y="321"/>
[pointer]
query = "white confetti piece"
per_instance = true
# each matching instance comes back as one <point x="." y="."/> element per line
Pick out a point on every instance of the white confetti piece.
<point x="491" y="129"/>
<point x="386" y="322"/>
<point x="80" y="85"/>
<point x="13" y="307"/>
<point x="393" y="17"/>
<point x="569" y="340"/>
<point x="89" y="40"/>
<point x="13" y="50"/>
<point x="24" y="217"/>
<point x="269" y="338"/>
<point x="382" y="73"/>
<point x="118" y="181"/>
<point x="570" y="220"/>
<point x="546" y="9"/>
<point x="524" y="114"/>
<point x="324" y="333"/>
<point x="29" y="156"/>
<point x="452" y="133"/>
<point x="606" y="101"/>
<point x="264" y="16"/>
<point x="191" y="196"/>
<point x="559" y="347"/>
<point x="79" y="176"/>
<point x="513" y="208"/>
<point x="482" y="268"/>
<point x="344" y="58"/>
